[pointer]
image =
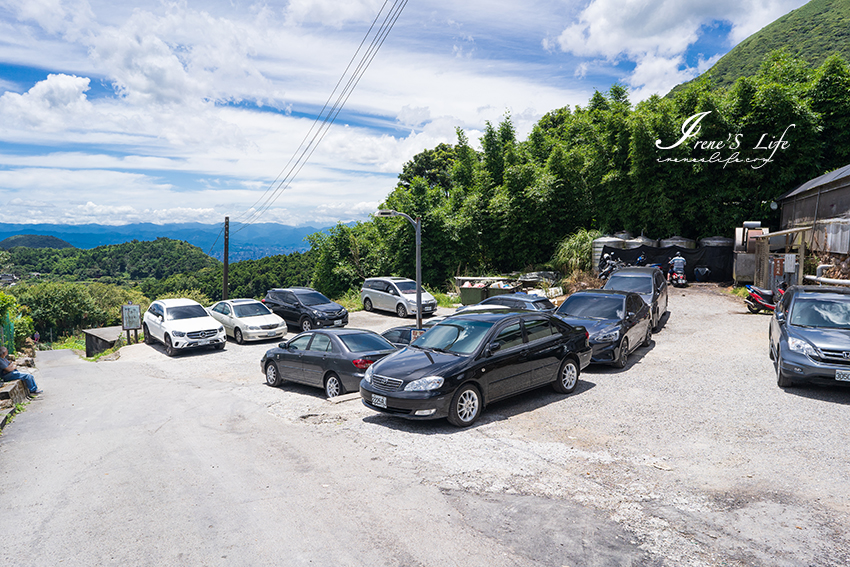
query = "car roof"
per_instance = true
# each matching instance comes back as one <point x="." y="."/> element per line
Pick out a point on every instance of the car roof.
<point x="520" y="295"/>
<point x="636" y="271"/>
<point x="177" y="302"/>
<point x="814" y="290"/>
<point x="493" y="316"/>
<point x="243" y="300"/>
<point x="612" y="292"/>
<point x="343" y="331"/>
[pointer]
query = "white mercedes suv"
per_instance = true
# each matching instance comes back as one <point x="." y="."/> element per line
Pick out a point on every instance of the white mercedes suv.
<point x="182" y="324"/>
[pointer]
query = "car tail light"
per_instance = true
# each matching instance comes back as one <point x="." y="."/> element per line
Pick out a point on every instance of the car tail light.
<point x="362" y="363"/>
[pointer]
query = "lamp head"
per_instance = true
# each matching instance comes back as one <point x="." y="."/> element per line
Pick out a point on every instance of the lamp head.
<point x="384" y="213"/>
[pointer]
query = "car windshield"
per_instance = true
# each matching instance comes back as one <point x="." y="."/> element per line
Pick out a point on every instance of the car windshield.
<point x="312" y="298"/>
<point x="592" y="306"/>
<point x="459" y="336"/>
<point x="406" y="287"/>
<point x="250" y="309"/>
<point x="637" y="284"/>
<point x="831" y="313"/>
<point x="186" y="312"/>
<point x="365" y="342"/>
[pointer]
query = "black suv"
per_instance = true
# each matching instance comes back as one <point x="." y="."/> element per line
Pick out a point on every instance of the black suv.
<point x="305" y="308"/>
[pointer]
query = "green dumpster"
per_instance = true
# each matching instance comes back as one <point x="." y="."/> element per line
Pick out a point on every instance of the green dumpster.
<point x="472" y="295"/>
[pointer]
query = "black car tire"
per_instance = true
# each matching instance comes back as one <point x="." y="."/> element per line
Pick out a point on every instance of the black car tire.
<point x="466" y="406"/>
<point x="148" y="336"/>
<point x="367" y="304"/>
<point x="169" y="348"/>
<point x="567" y="378"/>
<point x="219" y="346"/>
<point x="753" y="308"/>
<point x="237" y="336"/>
<point x="333" y="386"/>
<point x="272" y="374"/>
<point x="401" y="311"/>
<point x="782" y="380"/>
<point x="624" y="354"/>
<point x="306" y="324"/>
<point x="648" y="338"/>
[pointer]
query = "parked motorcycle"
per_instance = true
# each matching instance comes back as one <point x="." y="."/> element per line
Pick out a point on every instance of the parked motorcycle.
<point x="678" y="279"/>
<point x="759" y="299"/>
<point x="608" y="265"/>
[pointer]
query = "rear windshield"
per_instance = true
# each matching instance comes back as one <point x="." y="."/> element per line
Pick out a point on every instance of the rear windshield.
<point x="637" y="284"/>
<point x="543" y="305"/>
<point x="454" y="335"/>
<point x="186" y="312"/>
<point x="365" y="342"/>
<point x="312" y="298"/>
<point x="593" y="306"/>
<point x="830" y="313"/>
<point x="250" y="309"/>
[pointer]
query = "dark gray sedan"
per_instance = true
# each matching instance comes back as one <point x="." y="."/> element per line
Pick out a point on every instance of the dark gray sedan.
<point x="646" y="281"/>
<point x="810" y="336"/>
<point x="333" y="359"/>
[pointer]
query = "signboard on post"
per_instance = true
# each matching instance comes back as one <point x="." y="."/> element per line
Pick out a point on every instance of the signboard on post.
<point x="131" y="320"/>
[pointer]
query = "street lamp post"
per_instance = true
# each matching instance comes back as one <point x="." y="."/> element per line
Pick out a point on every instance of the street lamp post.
<point x="417" y="224"/>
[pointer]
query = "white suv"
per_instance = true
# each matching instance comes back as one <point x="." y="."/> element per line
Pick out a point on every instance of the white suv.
<point x="182" y="324"/>
<point x="395" y="294"/>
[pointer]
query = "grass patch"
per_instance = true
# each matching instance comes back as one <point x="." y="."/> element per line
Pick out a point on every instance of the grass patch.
<point x="73" y="342"/>
<point x="351" y="300"/>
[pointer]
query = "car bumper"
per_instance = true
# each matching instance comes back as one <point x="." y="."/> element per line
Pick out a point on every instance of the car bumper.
<point x="185" y="344"/>
<point x="321" y="323"/>
<point x="262" y="334"/>
<point x="407" y="404"/>
<point x="585" y="357"/>
<point x="605" y="353"/>
<point x="798" y="366"/>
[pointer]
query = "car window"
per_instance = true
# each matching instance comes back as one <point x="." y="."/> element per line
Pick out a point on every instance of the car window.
<point x="592" y="306"/>
<point x="634" y="304"/>
<point x="510" y="336"/>
<point x="365" y="342"/>
<point x="321" y="343"/>
<point x="224" y="308"/>
<point x="186" y="312"/>
<point x="406" y="287"/>
<point x="253" y="309"/>
<point x="543" y="305"/>
<point x="300" y="343"/>
<point x="393" y="336"/>
<point x="826" y="312"/>
<point x="537" y="329"/>
<point x="288" y="297"/>
<point x="635" y="283"/>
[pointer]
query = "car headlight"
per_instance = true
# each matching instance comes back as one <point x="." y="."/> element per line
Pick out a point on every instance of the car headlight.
<point x="253" y="328"/>
<point x="800" y="345"/>
<point x="317" y="313"/>
<point x="368" y="375"/>
<point x="178" y="333"/>
<point x="610" y="334"/>
<point x="424" y="384"/>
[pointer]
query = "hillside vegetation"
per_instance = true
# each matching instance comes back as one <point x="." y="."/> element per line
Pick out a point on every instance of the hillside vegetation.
<point x="812" y="33"/>
<point x="33" y="241"/>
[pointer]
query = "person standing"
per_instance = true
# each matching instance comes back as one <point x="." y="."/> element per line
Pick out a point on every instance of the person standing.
<point x="9" y="371"/>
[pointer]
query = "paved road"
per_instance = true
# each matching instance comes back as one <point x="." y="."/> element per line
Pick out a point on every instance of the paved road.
<point x="689" y="456"/>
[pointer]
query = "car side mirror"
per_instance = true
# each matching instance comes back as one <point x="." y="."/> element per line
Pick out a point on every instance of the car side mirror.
<point x="283" y="345"/>
<point x="492" y="348"/>
<point x="780" y="317"/>
<point x="632" y="315"/>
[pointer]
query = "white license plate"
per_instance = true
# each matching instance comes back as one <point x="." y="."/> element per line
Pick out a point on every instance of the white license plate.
<point x="202" y="343"/>
<point x="843" y="375"/>
<point x="272" y="333"/>
<point x="338" y="323"/>
<point x="379" y="401"/>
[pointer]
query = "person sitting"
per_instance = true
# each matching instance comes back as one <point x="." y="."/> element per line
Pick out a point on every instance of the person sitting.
<point x="677" y="265"/>
<point x="9" y="371"/>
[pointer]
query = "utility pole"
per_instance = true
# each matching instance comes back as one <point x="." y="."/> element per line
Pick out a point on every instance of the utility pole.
<point x="224" y="290"/>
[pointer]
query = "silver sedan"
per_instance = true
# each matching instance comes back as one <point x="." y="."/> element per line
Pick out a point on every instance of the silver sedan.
<point x="248" y="320"/>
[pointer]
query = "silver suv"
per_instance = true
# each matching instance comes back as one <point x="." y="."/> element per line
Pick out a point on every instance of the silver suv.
<point x="395" y="294"/>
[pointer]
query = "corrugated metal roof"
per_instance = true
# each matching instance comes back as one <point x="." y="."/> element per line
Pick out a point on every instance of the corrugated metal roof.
<point x="824" y="179"/>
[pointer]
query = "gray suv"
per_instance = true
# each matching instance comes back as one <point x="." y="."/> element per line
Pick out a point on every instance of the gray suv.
<point x="395" y="294"/>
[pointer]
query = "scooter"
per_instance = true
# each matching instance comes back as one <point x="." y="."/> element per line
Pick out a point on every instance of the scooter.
<point x="759" y="299"/>
<point x="609" y="268"/>
<point x="678" y="279"/>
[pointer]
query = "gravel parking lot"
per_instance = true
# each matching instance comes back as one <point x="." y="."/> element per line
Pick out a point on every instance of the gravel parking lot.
<point x="692" y="450"/>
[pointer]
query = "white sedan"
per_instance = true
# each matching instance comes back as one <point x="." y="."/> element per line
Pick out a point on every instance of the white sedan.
<point x="248" y="320"/>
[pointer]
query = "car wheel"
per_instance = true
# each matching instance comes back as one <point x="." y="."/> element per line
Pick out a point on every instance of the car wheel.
<point x="782" y="380"/>
<point x="567" y="377"/>
<point x="465" y="407"/>
<point x="624" y="354"/>
<point x="306" y="324"/>
<point x="367" y="304"/>
<point x="401" y="311"/>
<point x="169" y="348"/>
<point x="219" y="346"/>
<point x="237" y="336"/>
<point x="333" y="387"/>
<point x="648" y="338"/>
<point x="148" y="336"/>
<point x="272" y="375"/>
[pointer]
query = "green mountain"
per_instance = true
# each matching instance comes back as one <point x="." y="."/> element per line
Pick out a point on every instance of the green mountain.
<point x="33" y="241"/>
<point x="812" y="33"/>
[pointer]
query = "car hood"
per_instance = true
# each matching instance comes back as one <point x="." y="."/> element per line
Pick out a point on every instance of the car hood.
<point x="412" y="363"/>
<point x="592" y="326"/>
<point x="412" y="296"/>
<point x="193" y="324"/>
<point x="259" y="320"/>
<point x="833" y="339"/>
<point x="326" y="307"/>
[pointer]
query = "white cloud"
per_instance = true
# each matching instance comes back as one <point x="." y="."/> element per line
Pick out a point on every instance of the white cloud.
<point x="48" y="105"/>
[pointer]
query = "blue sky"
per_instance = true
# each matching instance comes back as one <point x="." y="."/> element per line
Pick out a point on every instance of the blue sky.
<point x="187" y="111"/>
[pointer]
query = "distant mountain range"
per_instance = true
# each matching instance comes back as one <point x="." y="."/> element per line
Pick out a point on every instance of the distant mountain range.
<point x="247" y="242"/>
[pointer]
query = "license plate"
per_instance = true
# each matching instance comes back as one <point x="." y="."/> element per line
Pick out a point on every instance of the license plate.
<point x="202" y="343"/>
<point x="843" y="375"/>
<point x="338" y="323"/>
<point x="272" y="333"/>
<point x="379" y="401"/>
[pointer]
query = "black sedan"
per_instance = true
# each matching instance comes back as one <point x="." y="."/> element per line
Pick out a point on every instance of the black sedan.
<point x="471" y="359"/>
<point x="402" y="335"/>
<point x="810" y="336"/>
<point x="333" y="359"/>
<point x="618" y="322"/>
<point x="647" y="281"/>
